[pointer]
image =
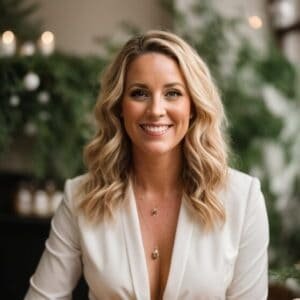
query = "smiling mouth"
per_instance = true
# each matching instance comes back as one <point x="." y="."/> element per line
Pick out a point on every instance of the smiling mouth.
<point x="155" y="130"/>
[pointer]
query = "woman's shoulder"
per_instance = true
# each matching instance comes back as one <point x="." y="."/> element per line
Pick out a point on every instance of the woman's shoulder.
<point x="246" y="215"/>
<point x="241" y="188"/>
<point x="239" y="179"/>
<point x="76" y="182"/>
<point x="74" y="188"/>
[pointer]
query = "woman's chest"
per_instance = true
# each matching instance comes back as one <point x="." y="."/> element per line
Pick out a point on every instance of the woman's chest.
<point x="158" y="232"/>
<point x="115" y="265"/>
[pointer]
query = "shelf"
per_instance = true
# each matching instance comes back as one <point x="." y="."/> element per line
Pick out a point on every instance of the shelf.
<point x="18" y="219"/>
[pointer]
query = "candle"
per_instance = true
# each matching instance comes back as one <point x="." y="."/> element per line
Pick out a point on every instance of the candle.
<point x="24" y="202"/>
<point x="41" y="204"/>
<point x="8" y="44"/>
<point x="46" y="43"/>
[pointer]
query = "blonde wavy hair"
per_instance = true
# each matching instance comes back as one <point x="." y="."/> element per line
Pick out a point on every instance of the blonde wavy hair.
<point x="108" y="155"/>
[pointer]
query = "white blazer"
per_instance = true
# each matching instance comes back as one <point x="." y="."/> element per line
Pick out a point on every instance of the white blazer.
<point x="228" y="263"/>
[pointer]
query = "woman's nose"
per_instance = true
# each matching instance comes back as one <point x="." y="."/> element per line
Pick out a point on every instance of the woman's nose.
<point x="156" y="108"/>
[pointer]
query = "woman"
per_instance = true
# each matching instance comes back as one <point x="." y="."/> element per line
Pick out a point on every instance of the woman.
<point x="159" y="215"/>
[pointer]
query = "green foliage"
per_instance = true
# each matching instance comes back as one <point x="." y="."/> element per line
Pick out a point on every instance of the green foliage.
<point x="275" y="69"/>
<point x="242" y="72"/>
<point x="62" y="124"/>
<point x="285" y="273"/>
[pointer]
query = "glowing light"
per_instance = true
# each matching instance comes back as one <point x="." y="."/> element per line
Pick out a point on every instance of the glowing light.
<point x="47" y="37"/>
<point x="46" y="43"/>
<point x="8" y="37"/>
<point x="255" y="22"/>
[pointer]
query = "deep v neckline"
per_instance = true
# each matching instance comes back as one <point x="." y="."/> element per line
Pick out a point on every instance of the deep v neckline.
<point x="136" y="254"/>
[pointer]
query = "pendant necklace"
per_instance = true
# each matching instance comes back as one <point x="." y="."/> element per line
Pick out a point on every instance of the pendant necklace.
<point x="154" y="212"/>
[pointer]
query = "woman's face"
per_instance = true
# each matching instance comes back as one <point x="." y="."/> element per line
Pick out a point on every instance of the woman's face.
<point x="156" y="105"/>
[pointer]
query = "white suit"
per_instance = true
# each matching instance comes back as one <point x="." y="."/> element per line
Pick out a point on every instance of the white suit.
<point x="228" y="263"/>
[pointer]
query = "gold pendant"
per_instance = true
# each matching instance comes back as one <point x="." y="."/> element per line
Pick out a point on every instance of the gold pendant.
<point x="154" y="211"/>
<point x="155" y="254"/>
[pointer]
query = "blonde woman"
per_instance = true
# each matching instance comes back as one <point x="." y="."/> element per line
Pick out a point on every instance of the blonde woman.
<point x="159" y="214"/>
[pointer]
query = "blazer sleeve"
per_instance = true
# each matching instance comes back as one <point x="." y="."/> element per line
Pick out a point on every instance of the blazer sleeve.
<point x="250" y="279"/>
<point x="60" y="266"/>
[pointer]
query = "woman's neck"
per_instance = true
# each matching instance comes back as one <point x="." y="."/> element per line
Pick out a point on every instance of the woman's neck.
<point x="160" y="174"/>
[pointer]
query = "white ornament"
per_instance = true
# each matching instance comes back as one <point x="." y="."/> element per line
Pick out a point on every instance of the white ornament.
<point x="31" y="81"/>
<point x="30" y="129"/>
<point x="294" y="285"/>
<point x="285" y="13"/>
<point x="14" y="100"/>
<point x="43" y="97"/>
<point x="27" y="49"/>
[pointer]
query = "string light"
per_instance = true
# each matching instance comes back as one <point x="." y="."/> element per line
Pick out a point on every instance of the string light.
<point x="255" y="22"/>
<point x="8" y="44"/>
<point x="8" y="37"/>
<point x="47" y="37"/>
<point x="46" y="43"/>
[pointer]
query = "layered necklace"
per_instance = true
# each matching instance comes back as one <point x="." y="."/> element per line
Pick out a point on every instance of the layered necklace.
<point x="153" y="212"/>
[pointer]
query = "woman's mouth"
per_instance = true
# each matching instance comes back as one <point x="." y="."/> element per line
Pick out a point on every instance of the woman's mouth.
<point x="155" y="130"/>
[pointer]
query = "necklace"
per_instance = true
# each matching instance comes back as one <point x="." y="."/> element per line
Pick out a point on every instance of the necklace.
<point x="154" y="212"/>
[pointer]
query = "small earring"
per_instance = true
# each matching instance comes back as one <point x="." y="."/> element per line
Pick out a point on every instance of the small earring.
<point x="191" y="116"/>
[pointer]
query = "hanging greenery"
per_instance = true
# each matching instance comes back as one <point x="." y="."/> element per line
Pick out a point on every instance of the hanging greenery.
<point x="48" y="100"/>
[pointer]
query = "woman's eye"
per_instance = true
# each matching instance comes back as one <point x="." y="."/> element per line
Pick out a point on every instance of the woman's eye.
<point x="173" y="94"/>
<point x="139" y="93"/>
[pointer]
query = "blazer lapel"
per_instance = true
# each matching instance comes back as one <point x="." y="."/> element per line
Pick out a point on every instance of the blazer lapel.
<point x="134" y="245"/>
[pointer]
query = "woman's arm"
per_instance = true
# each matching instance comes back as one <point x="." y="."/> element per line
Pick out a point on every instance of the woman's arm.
<point x="60" y="266"/>
<point x="250" y="279"/>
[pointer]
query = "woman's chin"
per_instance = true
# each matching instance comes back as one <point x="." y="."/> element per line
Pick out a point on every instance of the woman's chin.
<point x="157" y="151"/>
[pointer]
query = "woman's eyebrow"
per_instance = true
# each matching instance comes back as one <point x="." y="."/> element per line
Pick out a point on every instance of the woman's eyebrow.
<point x="137" y="84"/>
<point x="174" y="84"/>
<point x="142" y="85"/>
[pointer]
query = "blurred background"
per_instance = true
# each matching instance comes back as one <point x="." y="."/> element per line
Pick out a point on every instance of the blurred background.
<point x="52" y="54"/>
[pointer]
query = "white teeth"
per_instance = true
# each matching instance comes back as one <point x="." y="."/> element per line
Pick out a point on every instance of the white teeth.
<point x="156" y="129"/>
